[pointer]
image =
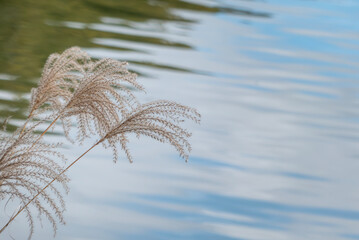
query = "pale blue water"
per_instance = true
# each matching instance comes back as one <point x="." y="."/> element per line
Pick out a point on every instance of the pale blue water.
<point x="276" y="155"/>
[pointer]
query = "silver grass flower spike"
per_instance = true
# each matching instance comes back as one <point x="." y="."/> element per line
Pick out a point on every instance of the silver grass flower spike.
<point x="95" y="93"/>
<point x="100" y="98"/>
<point x="59" y="77"/>
<point x="24" y="169"/>
<point x="159" y="120"/>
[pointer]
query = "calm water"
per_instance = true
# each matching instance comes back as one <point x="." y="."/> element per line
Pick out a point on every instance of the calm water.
<point x="277" y="83"/>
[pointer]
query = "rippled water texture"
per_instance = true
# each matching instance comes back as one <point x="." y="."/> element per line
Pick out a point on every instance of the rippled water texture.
<point x="276" y="156"/>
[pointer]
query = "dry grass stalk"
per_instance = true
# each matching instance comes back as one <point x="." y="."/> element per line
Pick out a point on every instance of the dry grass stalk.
<point x="74" y="86"/>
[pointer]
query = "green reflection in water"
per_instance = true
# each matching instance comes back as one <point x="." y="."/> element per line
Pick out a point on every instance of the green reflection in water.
<point x="30" y="30"/>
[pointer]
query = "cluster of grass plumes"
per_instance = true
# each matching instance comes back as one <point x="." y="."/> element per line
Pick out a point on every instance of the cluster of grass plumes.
<point x="97" y="94"/>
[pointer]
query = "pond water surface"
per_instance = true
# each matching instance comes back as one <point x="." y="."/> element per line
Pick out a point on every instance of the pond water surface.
<point x="276" y="82"/>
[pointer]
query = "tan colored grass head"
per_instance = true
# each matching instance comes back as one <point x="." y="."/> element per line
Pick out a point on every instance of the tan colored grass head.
<point x="25" y="168"/>
<point x="159" y="120"/>
<point x="59" y="77"/>
<point x="101" y="98"/>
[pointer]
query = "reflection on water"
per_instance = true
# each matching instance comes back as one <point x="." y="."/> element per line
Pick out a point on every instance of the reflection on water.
<point x="276" y="82"/>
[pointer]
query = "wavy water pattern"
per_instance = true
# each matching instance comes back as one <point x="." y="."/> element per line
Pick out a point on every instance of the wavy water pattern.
<point x="277" y="84"/>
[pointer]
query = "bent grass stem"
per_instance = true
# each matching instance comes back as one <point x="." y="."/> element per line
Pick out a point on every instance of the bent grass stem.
<point x="27" y="121"/>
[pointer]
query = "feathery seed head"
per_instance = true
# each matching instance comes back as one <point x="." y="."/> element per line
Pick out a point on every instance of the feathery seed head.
<point x="25" y="168"/>
<point x="96" y="93"/>
<point x="59" y="77"/>
<point x="100" y="98"/>
<point x="159" y="120"/>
